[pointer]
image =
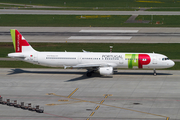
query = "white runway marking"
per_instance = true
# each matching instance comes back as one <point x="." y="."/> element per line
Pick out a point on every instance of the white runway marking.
<point x="99" y="37"/>
<point x="104" y="31"/>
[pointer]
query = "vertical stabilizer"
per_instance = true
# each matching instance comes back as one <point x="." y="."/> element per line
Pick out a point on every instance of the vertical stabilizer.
<point x="19" y="42"/>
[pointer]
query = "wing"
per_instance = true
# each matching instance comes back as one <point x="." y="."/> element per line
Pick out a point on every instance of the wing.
<point x="94" y="65"/>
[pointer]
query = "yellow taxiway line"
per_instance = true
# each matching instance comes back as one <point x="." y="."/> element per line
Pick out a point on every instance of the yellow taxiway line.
<point x="92" y="114"/>
<point x="101" y="103"/>
<point x="73" y="92"/>
<point x="97" y="108"/>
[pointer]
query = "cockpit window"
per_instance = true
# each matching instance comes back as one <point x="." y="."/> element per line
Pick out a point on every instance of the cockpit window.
<point x="165" y="58"/>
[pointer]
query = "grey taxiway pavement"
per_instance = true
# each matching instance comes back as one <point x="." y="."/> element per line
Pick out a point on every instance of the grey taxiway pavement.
<point x="76" y="12"/>
<point x="74" y="34"/>
<point x="70" y="95"/>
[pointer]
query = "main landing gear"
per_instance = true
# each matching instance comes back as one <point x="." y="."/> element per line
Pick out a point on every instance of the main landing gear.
<point x="89" y="73"/>
<point x="154" y="72"/>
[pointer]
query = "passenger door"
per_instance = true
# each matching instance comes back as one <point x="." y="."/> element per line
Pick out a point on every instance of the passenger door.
<point x="35" y="57"/>
<point x="154" y="59"/>
<point x="79" y="59"/>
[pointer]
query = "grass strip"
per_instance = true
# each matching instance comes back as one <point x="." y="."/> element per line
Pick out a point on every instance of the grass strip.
<point x="4" y="5"/>
<point x="164" y="20"/>
<point x="88" y="20"/>
<point x="22" y="64"/>
<point x="164" y="9"/>
<point x="169" y="49"/>
<point x="99" y="3"/>
<point x="63" y="20"/>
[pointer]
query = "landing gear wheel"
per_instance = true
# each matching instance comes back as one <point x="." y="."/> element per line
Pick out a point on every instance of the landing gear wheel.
<point x="89" y="74"/>
<point x="154" y="72"/>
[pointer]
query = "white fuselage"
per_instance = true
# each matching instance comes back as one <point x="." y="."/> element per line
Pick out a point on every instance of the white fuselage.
<point x="115" y="60"/>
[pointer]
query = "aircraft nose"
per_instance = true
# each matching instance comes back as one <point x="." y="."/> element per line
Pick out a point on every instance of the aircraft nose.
<point x="171" y="63"/>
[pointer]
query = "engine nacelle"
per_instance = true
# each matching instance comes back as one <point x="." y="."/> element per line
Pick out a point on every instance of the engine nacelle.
<point x="106" y="70"/>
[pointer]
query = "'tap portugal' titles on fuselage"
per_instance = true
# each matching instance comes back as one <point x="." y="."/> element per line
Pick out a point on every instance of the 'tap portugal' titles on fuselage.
<point x="104" y="62"/>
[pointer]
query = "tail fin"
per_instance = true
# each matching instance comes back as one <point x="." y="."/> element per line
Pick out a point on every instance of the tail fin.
<point x="20" y="43"/>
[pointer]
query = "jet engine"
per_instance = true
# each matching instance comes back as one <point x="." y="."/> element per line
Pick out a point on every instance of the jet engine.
<point x="106" y="70"/>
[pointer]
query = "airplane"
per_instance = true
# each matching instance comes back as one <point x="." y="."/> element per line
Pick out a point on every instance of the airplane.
<point x="103" y="62"/>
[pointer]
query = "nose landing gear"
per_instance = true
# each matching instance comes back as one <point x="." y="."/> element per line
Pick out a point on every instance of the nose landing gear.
<point x="154" y="72"/>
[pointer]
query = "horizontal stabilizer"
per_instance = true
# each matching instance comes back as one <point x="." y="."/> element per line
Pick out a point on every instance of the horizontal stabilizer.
<point x="16" y="55"/>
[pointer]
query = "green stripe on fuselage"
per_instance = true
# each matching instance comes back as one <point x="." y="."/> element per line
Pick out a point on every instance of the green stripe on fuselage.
<point x="132" y="60"/>
<point x="13" y="38"/>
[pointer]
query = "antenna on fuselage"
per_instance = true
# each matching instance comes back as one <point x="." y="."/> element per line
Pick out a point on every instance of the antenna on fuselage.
<point x="110" y="48"/>
<point x="84" y="50"/>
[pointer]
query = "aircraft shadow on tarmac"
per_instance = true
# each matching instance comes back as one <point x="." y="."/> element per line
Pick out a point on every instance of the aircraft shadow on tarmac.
<point x="19" y="71"/>
<point x="83" y="77"/>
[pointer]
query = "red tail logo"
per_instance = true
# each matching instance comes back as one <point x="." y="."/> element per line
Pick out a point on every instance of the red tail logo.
<point x="20" y="41"/>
